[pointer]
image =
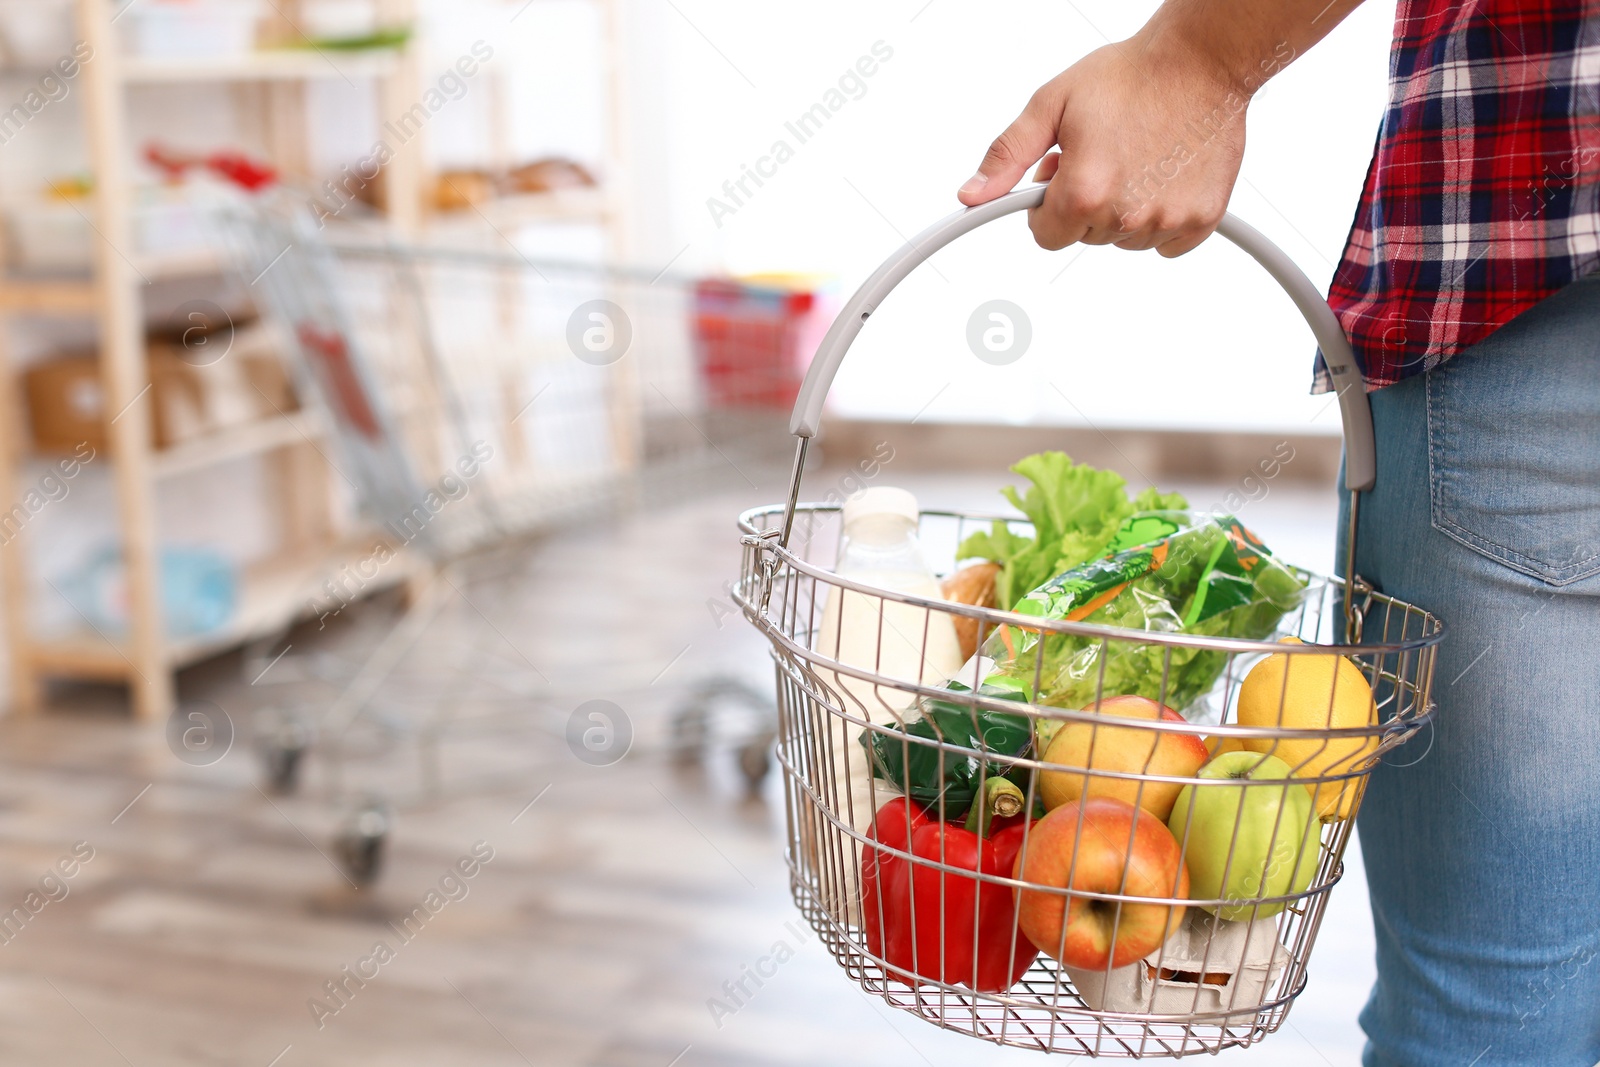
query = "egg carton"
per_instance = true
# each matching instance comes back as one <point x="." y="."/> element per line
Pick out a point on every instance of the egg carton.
<point x="1208" y="966"/>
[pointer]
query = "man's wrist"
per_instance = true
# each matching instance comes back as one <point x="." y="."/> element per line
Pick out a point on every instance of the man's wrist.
<point x="1233" y="66"/>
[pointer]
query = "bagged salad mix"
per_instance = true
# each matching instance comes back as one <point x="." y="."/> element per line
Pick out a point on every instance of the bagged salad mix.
<point x="1203" y="575"/>
<point x="1144" y="563"/>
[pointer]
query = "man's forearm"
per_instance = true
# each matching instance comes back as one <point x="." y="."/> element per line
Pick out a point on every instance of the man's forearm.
<point x="1244" y="42"/>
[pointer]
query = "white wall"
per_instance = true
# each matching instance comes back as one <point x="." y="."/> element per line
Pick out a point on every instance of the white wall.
<point x="1119" y="338"/>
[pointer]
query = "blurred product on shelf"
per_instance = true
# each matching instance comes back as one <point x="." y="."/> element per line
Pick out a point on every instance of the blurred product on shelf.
<point x="198" y="590"/>
<point x="50" y="232"/>
<point x="338" y="19"/>
<point x="184" y="29"/>
<point x="72" y="188"/>
<point x="461" y="188"/>
<point x="250" y="174"/>
<point x="66" y="403"/>
<point x="193" y="393"/>
<point x="457" y="190"/>
<point x="753" y="336"/>
<point x="387" y="37"/>
<point x="266" y="377"/>
<point x="543" y="175"/>
<point x="176" y="220"/>
<point x="48" y="235"/>
<point x="344" y="26"/>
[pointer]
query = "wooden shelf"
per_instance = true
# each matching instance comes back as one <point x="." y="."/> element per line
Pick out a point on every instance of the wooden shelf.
<point x="278" y="590"/>
<point x="49" y="296"/>
<point x="71" y="293"/>
<point x="188" y="263"/>
<point x="273" y="592"/>
<point x="247" y="439"/>
<point x="270" y="65"/>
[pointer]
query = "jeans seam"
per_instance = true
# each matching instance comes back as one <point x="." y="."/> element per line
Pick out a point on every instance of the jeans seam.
<point x="1510" y="557"/>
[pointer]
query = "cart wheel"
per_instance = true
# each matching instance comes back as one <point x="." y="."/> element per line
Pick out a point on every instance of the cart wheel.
<point x="755" y="760"/>
<point x="690" y="731"/>
<point x="283" y="746"/>
<point x="359" y="845"/>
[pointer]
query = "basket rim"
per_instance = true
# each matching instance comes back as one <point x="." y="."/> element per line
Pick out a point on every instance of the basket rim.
<point x="795" y="651"/>
<point x="766" y="538"/>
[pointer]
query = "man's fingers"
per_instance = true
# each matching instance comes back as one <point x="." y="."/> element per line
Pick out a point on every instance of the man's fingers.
<point x="1186" y="241"/>
<point x="1047" y="167"/>
<point x="1141" y="240"/>
<point x="1018" y="147"/>
<point x="1076" y="208"/>
<point x="1058" y="235"/>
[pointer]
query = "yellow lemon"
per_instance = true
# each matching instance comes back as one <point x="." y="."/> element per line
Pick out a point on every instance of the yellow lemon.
<point x="1306" y="692"/>
<point x="1216" y="746"/>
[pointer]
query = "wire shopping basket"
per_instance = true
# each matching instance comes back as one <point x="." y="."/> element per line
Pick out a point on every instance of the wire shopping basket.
<point x="1098" y="875"/>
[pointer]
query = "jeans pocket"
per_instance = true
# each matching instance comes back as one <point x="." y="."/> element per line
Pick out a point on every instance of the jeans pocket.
<point x="1514" y="460"/>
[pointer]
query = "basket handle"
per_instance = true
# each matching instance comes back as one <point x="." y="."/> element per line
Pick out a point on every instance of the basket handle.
<point x="1360" y="462"/>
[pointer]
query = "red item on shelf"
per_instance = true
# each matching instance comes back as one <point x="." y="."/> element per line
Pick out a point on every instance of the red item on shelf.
<point x="249" y="174"/>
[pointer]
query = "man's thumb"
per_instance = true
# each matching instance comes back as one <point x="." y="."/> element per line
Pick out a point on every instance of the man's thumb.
<point x="1019" y="146"/>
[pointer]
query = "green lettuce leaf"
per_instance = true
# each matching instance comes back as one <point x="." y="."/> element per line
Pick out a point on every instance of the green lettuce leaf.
<point x="1075" y="510"/>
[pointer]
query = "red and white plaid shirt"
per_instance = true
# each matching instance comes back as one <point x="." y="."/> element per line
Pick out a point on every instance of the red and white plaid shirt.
<point x="1483" y="196"/>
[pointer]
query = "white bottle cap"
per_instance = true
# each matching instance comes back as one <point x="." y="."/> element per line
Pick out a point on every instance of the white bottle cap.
<point x="881" y="500"/>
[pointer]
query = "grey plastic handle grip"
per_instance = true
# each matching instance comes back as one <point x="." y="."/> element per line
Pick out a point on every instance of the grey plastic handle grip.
<point x="1360" y="463"/>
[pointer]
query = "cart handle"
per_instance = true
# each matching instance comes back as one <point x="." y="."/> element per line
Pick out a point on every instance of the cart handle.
<point x="1360" y="463"/>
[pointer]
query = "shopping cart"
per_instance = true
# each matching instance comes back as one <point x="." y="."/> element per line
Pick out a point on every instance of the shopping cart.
<point x="749" y="338"/>
<point x="469" y="400"/>
<point x="1130" y="962"/>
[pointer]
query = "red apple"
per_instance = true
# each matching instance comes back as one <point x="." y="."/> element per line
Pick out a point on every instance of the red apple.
<point x="1093" y="746"/>
<point x="1115" y="841"/>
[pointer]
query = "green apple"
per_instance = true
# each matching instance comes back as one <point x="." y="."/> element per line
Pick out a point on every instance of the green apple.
<point x="1245" y="842"/>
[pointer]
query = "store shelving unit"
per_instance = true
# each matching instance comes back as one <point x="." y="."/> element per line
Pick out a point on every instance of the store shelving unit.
<point x="605" y="205"/>
<point x="285" y="65"/>
<point x="273" y="590"/>
<point x="277" y="589"/>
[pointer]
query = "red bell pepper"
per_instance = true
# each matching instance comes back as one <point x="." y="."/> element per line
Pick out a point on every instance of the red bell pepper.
<point x="942" y="925"/>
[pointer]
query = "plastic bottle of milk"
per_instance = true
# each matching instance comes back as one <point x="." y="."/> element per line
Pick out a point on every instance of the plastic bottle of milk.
<point x="883" y="637"/>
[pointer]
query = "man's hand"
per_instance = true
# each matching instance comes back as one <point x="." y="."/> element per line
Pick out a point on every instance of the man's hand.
<point x="1151" y="131"/>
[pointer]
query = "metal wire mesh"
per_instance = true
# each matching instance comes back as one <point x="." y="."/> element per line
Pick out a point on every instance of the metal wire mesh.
<point x="470" y="398"/>
<point x="1101" y="947"/>
<point x="426" y="355"/>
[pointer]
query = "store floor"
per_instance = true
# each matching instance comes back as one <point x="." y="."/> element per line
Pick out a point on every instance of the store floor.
<point x="618" y="900"/>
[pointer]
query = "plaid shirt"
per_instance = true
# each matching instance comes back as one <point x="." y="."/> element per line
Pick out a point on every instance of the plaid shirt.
<point x="1483" y="196"/>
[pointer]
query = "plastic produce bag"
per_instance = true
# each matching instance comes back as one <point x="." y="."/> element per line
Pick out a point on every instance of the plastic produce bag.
<point x="1163" y="572"/>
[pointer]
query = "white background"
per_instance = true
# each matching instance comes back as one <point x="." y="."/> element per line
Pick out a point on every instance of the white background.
<point x="1119" y="338"/>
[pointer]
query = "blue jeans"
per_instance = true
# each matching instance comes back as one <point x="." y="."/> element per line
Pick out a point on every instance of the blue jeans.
<point x="1482" y="835"/>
